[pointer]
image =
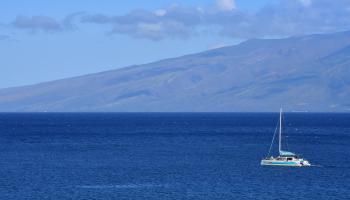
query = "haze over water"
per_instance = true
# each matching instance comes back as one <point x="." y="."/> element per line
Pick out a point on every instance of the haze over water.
<point x="170" y="156"/>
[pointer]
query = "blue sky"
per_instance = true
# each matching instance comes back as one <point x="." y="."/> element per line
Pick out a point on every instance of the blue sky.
<point x="44" y="40"/>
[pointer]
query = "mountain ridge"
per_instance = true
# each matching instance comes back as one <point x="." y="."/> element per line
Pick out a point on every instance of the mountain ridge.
<point x="303" y="73"/>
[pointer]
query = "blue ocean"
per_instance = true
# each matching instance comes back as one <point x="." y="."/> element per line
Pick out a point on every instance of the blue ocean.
<point x="161" y="156"/>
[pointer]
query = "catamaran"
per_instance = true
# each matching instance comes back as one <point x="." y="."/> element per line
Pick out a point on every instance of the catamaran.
<point x="285" y="158"/>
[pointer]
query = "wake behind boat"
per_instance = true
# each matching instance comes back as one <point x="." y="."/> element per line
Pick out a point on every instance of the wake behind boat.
<point x="285" y="158"/>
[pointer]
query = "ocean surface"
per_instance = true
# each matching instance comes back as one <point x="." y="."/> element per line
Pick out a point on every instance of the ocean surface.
<point x="170" y="156"/>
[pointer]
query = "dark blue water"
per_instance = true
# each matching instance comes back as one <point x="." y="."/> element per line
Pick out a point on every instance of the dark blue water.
<point x="170" y="156"/>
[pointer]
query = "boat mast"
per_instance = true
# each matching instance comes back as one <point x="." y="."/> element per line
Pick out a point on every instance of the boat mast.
<point x="280" y="133"/>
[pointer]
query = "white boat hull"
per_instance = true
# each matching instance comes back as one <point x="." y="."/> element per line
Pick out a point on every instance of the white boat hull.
<point x="294" y="163"/>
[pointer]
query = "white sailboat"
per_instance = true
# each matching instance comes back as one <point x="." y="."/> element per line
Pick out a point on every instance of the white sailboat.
<point x="285" y="158"/>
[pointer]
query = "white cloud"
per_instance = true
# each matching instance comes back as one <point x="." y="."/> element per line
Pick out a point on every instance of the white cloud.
<point x="160" y="12"/>
<point x="45" y="23"/>
<point x="306" y="3"/>
<point x="150" y="28"/>
<point x="226" y="5"/>
<point x="285" y="18"/>
<point x="39" y="22"/>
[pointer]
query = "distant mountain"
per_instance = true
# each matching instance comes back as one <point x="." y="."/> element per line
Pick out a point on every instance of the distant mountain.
<point x="307" y="73"/>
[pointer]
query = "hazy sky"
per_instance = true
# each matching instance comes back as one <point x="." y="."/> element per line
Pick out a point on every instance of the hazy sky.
<point x="44" y="40"/>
